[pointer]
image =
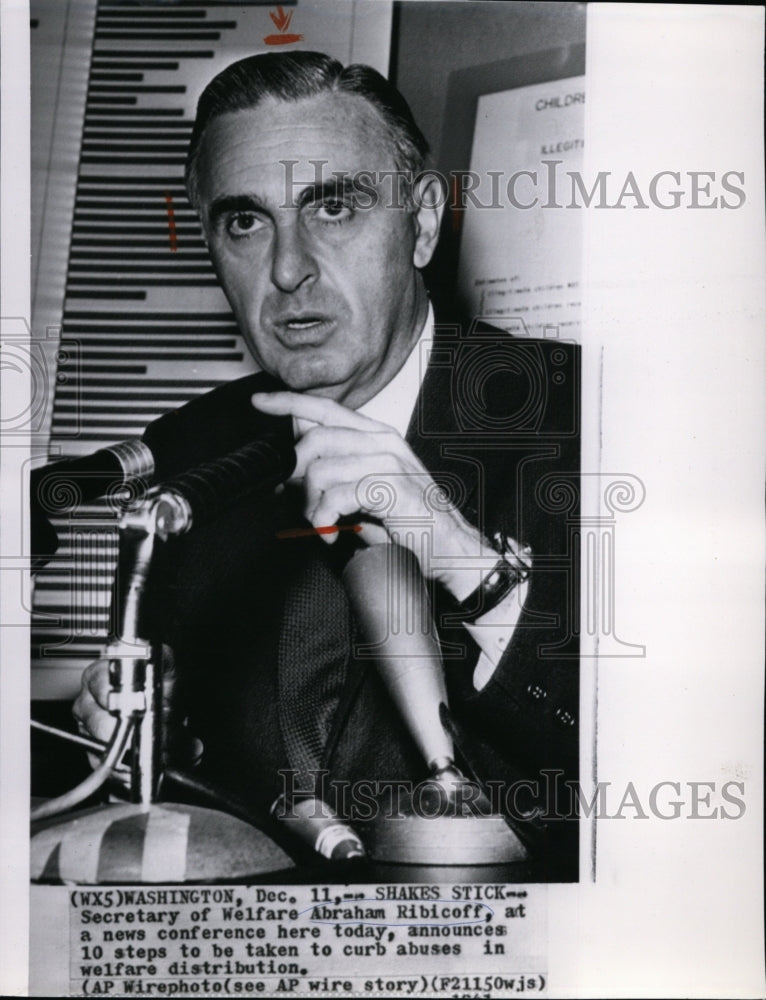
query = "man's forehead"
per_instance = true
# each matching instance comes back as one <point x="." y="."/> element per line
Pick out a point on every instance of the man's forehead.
<point x="340" y="131"/>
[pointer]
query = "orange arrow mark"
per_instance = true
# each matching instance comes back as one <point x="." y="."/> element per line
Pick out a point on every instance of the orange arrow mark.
<point x="280" y="19"/>
<point x="282" y="39"/>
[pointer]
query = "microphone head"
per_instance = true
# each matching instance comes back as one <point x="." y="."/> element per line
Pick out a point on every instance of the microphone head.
<point x="205" y="429"/>
<point x="213" y="425"/>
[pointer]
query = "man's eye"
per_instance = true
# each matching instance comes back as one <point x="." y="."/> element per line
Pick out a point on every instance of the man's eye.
<point x="242" y="224"/>
<point x="334" y="210"/>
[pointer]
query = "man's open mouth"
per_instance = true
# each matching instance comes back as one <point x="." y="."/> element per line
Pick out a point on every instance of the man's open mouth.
<point x="303" y="322"/>
<point x="300" y="328"/>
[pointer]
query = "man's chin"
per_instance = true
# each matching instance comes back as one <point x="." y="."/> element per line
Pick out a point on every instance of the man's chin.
<point x="315" y="381"/>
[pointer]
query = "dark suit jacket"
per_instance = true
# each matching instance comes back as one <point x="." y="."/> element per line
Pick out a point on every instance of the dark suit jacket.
<point x="497" y="425"/>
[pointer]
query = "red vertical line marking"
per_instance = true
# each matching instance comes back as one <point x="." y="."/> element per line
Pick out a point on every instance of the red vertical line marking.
<point x="171" y="223"/>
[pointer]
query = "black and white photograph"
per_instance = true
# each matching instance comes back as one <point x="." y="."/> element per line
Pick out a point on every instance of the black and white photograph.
<point x="383" y="455"/>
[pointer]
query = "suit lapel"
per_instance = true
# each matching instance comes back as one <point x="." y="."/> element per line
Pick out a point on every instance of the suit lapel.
<point x="434" y="433"/>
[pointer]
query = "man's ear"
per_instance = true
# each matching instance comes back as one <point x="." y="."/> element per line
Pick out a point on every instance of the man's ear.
<point x="429" y="195"/>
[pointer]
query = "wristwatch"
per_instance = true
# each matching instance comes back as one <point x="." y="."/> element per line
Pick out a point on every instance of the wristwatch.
<point x="512" y="568"/>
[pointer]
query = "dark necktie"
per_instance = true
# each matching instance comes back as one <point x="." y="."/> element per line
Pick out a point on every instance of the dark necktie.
<point x="313" y="656"/>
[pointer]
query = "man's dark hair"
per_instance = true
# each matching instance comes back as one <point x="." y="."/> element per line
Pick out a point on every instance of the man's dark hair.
<point x="296" y="75"/>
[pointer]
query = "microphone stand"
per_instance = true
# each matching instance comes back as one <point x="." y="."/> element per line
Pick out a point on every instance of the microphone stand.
<point x="188" y="843"/>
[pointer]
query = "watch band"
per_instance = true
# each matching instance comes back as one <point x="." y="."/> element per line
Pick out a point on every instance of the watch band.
<point x="512" y="568"/>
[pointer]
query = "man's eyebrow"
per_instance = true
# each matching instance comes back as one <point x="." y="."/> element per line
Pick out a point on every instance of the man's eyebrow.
<point x="233" y="203"/>
<point x="333" y="187"/>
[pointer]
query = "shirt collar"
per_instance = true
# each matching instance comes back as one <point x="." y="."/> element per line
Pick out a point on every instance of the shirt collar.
<point x="395" y="402"/>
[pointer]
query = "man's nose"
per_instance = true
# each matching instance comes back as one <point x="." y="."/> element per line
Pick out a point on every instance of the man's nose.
<point x="293" y="263"/>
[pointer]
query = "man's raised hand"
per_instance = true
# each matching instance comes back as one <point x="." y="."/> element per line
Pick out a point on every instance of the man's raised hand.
<point x="343" y="455"/>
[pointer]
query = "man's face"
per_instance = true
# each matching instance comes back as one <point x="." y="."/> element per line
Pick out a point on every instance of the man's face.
<point x="324" y="289"/>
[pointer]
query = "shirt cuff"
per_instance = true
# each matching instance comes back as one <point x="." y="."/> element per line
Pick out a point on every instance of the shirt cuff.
<point x="483" y="671"/>
<point x="493" y="632"/>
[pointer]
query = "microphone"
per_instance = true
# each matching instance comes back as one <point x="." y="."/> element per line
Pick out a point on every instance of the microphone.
<point x="212" y="425"/>
<point x="209" y="489"/>
<point x="72" y="481"/>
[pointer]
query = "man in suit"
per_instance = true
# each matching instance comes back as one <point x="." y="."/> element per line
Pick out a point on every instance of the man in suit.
<point x="308" y="179"/>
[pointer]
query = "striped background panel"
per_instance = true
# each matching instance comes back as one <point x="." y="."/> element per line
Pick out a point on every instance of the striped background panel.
<point x="122" y="276"/>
